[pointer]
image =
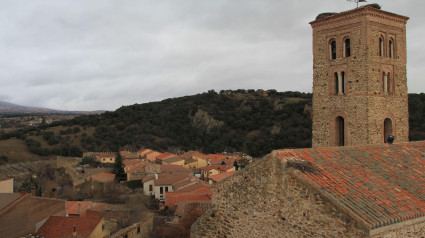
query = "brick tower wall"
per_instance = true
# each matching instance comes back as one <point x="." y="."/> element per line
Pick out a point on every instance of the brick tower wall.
<point x="365" y="105"/>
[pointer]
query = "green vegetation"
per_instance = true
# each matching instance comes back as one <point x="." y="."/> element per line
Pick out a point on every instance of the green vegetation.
<point x="249" y="121"/>
<point x="118" y="168"/>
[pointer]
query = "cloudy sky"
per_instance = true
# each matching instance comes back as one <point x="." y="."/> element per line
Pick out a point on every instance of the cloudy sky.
<point x="101" y="54"/>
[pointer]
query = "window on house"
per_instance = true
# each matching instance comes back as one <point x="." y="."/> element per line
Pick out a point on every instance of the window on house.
<point x="150" y="187"/>
<point x="381" y="46"/>
<point x="166" y="189"/>
<point x="161" y="190"/>
<point x="347" y="48"/>
<point x="388" y="129"/>
<point x="339" y="131"/>
<point x="138" y="230"/>
<point x="391" y="44"/>
<point x="103" y="227"/>
<point x="332" y="49"/>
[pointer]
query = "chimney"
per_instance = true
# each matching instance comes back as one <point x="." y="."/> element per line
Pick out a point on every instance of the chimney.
<point x="156" y="176"/>
<point x="53" y="193"/>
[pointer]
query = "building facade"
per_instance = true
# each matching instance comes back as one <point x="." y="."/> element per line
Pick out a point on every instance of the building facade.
<point x="359" y="78"/>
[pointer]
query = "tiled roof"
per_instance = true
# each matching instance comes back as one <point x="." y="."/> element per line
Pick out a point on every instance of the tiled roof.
<point x="172" y="160"/>
<point x="377" y="185"/>
<point x="195" y="186"/>
<point x="217" y="167"/>
<point x="140" y="167"/>
<point x="57" y="226"/>
<point x="170" y="178"/>
<point x="217" y="156"/>
<point x="130" y="162"/>
<point x="165" y="155"/>
<point x="219" y="177"/>
<point x="77" y="207"/>
<point x="168" y="168"/>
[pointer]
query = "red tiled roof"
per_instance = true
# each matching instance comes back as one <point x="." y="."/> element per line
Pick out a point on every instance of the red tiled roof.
<point x="217" y="167"/>
<point x="219" y="177"/>
<point x="77" y="207"/>
<point x="130" y="162"/>
<point x="377" y="185"/>
<point x="172" y="159"/>
<point x="57" y="226"/>
<point x="217" y="156"/>
<point x="165" y="155"/>
<point x="168" y="168"/>
<point x="140" y="167"/>
<point x="170" y="178"/>
<point x="196" y="186"/>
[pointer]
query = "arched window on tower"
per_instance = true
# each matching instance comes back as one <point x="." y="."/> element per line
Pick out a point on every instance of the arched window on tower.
<point x="343" y="82"/>
<point x="336" y="80"/>
<point x="391" y="45"/>
<point x="381" y="46"/>
<point x="384" y="82"/>
<point x="339" y="131"/>
<point x="388" y="129"/>
<point x="332" y="50"/>
<point x="347" y="48"/>
<point x="389" y="83"/>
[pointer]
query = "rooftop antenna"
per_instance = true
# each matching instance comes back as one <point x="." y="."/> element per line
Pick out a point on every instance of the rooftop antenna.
<point x="356" y="1"/>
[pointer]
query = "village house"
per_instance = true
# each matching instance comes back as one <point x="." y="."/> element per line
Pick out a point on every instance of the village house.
<point x="218" y="177"/>
<point x="198" y="191"/>
<point x="210" y="170"/>
<point x="174" y="161"/>
<point x="157" y="185"/>
<point x="191" y="163"/>
<point x="105" y="158"/>
<point x="164" y="155"/>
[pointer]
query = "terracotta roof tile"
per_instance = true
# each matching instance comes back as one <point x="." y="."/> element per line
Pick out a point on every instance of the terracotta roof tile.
<point x="377" y="185"/>
<point x="219" y="177"/>
<point x="57" y="226"/>
<point x="217" y="167"/>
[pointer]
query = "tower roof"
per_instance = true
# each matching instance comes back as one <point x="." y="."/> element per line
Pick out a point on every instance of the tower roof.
<point x="368" y="9"/>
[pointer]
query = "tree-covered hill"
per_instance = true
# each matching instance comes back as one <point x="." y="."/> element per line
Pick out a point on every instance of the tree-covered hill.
<point x="254" y="122"/>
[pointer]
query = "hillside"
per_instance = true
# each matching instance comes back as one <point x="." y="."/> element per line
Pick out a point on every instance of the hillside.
<point x="254" y="122"/>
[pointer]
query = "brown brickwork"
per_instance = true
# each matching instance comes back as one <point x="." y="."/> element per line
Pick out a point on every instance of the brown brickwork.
<point x="364" y="104"/>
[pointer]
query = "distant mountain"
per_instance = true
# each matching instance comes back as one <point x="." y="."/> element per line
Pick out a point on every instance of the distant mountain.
<point x="7" y="108"/>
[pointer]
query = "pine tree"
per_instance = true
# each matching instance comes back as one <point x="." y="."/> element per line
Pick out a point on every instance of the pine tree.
<point x="118" y="168"/>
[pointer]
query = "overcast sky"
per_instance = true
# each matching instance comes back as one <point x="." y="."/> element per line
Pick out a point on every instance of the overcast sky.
<point x="102" y="54"/>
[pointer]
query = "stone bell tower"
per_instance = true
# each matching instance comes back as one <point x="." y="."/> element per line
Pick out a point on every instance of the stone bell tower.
<point x="359" y="79"/>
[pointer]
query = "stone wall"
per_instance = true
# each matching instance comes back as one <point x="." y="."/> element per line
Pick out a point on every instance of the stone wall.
<point x="266" y="199"/>
<point x="140" y="229"/>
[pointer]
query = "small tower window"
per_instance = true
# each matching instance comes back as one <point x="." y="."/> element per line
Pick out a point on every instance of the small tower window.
<point x="347" y="48"/>
<point x="339" y="131"/>
<point x="389" y="83"/>
<point x="332" y="49"/>
<point x="388" y="129"/>
<point x="336" y="80"/>
<point x="391" y="44"/>
<point x="343" y="82"/>
<point x="384" y="82"/>
<point x="381" y="46"/>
